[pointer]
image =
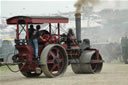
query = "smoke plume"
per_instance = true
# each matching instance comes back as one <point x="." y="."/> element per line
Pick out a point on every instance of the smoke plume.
<point x="84" y="3"/>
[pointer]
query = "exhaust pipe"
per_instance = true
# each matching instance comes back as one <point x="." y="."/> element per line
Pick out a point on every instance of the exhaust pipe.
<point x="78" y="26"/>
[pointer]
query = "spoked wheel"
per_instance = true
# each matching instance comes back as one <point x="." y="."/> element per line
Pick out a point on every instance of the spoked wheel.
<point x="96" y="65"/>
<point x="88" y="63"/>
<point x="54" y="59"/>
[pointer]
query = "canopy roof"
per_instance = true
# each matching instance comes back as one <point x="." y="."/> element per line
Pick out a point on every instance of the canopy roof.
<point x="36" y="19"/>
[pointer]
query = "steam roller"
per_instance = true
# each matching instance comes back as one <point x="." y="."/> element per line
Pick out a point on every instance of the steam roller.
<point x="56" y="50"/>
<point x="88" y="63"/>
<point x="90" y="60"/>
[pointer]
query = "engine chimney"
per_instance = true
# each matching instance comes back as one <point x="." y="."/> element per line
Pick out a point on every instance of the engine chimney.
<point x="78" y="26"/>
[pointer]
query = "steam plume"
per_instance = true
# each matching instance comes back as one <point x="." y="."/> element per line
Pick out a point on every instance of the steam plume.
<point x="84" y="3"/>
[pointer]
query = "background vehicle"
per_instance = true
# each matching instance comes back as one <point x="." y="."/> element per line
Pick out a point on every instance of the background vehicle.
<point x="124" y="45"/>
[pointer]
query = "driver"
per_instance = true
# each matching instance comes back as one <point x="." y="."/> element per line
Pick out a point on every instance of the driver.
<point x="70" y="38"/>
<point x="43" y="39"/>
<point x="43" y="32"/>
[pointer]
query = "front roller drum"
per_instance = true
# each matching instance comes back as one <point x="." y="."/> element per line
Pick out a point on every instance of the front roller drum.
<point x="54" y="60"/>
<point x="88" y="63"/>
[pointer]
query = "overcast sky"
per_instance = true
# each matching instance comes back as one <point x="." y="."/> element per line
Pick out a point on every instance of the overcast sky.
<point x="48" y="7"/>
<point x="9" y="8"/>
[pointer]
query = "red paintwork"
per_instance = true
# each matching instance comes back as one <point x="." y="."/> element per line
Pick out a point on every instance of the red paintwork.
<point x="53" y="39"/>
<point x="54" y="61"/>
<point x="38" y="20"/>
<point x="17" y="32"/>
<point x="29" y="68"/>
<point x="15" y="20"/>
<point x="98" y="58"/>
<point x="97" y="53"/>
<point x="75" y="52"/>
<point x="26" y="55"/>
<point x="25" y="52"/>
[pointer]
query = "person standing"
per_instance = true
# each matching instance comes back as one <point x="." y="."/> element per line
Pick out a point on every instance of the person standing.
<point x="35" y="37"/>
<point x="31" y="30"/>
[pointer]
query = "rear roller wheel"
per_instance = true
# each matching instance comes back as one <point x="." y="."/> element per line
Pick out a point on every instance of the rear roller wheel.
<point x="55" y="61"/>
<point x="88" y="63"/>
<point x="29" y="74"/>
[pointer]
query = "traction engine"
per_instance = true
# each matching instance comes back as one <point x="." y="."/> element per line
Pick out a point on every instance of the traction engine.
<point x="56" y="52"/>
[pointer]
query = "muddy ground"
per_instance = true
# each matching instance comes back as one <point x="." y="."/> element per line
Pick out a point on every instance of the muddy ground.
<point x="112" y="74"/>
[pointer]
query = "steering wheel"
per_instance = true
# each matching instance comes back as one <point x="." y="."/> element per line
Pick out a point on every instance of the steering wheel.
<point x="45" y="37"/>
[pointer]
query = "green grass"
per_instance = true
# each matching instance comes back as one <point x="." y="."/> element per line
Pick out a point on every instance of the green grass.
<point x="117" y="62"/>
<point x="5" y="68"/>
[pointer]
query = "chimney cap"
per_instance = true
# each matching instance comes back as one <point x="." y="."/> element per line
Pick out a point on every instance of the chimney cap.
<point x="78" y="15"/>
